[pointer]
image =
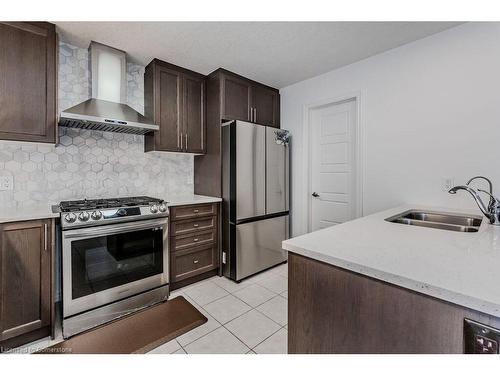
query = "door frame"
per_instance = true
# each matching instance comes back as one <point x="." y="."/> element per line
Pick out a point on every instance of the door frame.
<point x="307" y="160"/>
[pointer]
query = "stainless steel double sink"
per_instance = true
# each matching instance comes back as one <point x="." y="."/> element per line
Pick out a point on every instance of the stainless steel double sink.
<point x="438" y="220"/>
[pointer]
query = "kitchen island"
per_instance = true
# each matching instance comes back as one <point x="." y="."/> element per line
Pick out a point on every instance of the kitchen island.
<point x="372" y="286"/>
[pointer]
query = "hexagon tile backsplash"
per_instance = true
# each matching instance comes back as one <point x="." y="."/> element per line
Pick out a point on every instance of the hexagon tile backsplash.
<point x="90" y="164"/>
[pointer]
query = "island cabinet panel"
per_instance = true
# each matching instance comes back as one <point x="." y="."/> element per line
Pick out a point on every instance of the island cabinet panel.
<point x="174" y="99"/>
<point x="332" y="310"/>
<point x="28" y="81"/>
<point x="26" y="280"/>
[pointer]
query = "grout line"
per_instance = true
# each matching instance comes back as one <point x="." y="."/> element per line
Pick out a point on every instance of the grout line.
<point x="202" y="306"/>
<point x="199" y="337"/>
<point x="254" y="307"/>
<point x="273" y="290"/>
<point x="279" y="329"/>
<point x="237" y="338"/>
<point x="222" y="324"/>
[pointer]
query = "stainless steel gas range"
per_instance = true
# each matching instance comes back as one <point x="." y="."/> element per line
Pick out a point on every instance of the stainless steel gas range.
<point x="114" y="259"/>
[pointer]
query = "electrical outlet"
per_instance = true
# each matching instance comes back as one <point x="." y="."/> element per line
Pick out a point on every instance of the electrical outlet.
<point x="6" y="182"/>
<point x="480" y="338"/>
<point x="447" y="183"/>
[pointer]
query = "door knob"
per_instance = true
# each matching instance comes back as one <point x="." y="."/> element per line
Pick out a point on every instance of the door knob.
<point x="315" y="195"/>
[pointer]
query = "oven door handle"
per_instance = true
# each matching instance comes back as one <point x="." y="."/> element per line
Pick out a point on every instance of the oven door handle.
<point x="114" y="229"/>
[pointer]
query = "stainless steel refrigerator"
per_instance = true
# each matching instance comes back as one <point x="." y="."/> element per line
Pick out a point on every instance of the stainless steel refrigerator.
<point x="255" y="190"/>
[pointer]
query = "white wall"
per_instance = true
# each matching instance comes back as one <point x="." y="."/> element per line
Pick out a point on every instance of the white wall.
<point x="430" y="109"/>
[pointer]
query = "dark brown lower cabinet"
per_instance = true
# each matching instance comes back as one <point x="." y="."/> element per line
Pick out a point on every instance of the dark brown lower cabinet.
<point x="193" y="243"/>
<point x="26" y="281"/>
<point x="332" y="310"/>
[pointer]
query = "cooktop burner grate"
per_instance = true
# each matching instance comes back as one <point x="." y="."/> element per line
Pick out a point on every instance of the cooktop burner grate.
<point x="94" y="204"/>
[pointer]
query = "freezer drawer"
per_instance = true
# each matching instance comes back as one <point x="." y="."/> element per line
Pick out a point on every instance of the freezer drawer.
<point x="258" y="245"/>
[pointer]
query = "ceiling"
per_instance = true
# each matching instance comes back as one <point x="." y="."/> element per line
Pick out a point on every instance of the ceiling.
<point x="274" y="53"/>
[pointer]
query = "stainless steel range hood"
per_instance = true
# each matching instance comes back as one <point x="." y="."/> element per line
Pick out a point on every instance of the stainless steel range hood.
<point x="105" y="111"/>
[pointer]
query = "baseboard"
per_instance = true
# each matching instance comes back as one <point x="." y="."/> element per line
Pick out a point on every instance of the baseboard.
<point x="194" y="279"/>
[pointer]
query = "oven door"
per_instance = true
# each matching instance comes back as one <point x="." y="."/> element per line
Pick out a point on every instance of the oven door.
<point x="107" y="263"/>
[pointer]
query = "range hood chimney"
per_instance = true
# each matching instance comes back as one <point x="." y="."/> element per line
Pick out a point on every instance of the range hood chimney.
<point x="105" y="111"/>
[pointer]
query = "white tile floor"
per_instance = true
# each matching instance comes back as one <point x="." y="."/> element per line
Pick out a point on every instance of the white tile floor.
<point x="246" y="317"/>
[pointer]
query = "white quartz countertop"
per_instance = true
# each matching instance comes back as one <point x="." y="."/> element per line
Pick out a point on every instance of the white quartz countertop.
<point x="45" y="211"/>
<point x="26" y="213"/>
<point x="180" y="200"/>
<point x="461" y="268"/>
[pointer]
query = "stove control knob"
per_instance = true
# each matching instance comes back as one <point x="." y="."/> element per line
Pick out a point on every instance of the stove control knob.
<point x="162" y="207"/>
<point x="153" y="208"/>
<point x="96" y="215"/>
<point x="84" y="216"/>
<point x="70" y="218"/>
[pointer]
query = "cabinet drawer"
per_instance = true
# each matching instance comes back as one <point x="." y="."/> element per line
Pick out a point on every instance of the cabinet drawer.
<point x="192" y="262"/>
<point x="196" y="239"/>
<point x="192" y="211"/>
<point x="191" y="226"/>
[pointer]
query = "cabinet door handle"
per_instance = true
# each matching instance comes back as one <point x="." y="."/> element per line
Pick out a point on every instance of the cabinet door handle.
<point x="196" y="211"/>
<point x="255" y="115"/>
<point x="250" y="114"/>
<point x="45" y="235"/>
<point x="195" y="240"/>
<point x="186" y="141"/>
<point x="180" y="135"/>
<point x="196" y="225"/>
<point x="195" y="261"/>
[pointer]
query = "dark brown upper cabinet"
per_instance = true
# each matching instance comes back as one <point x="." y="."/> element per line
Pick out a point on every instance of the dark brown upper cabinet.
<point x="28" y="81"/>
<point x="236" y="98"/>
<point x="230" y="97"/>
<point x="194" y="113"/>
<point x="247" y="100"/>
<point x="174" y="98"/>
<point x="265" y="104"/>
<point x="26" y="287"/>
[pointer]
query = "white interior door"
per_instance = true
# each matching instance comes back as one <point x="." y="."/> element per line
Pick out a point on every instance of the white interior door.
<point x="333" y="163"/>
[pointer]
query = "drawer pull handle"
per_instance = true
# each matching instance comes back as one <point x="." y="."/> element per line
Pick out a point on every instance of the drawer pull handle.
<point x="195" y="240"/>
<point x="195" y="261"/>
<point x="196" y="225"/>
<point x="196" y="211"/>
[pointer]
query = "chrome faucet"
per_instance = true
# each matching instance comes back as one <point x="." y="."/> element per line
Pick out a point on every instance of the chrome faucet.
<point x="492" y="212"/>
<point x="490" y="185"/>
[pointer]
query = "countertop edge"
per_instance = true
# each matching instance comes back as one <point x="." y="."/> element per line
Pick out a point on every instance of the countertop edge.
<point x="29" y="216"/>
<point x="12" y="215"/>
<point x="400" y="281"/>
<point x="195" y="199"/>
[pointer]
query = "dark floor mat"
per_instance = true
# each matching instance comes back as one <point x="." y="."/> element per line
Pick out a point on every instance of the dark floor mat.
<point x="137" y="333"/>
